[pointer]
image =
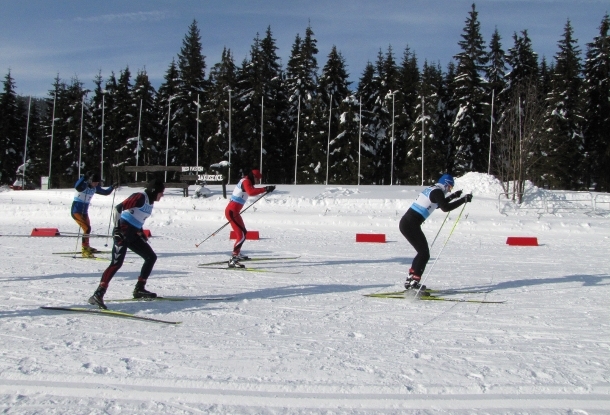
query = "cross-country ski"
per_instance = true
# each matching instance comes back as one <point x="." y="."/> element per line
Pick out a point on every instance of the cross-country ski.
<point x="261" y="259"/>
<point x="111" y="313"/>
<point x="249" y="269"/>
<point x="426" y="291"/>
<point x="124" y="300"/>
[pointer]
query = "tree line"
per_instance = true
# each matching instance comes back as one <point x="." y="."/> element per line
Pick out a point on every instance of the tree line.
<point x="545" y="122"/>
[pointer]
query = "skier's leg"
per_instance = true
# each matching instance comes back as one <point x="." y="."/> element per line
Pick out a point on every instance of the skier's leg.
<point x="144" y="250"/>
<point x="240" y="230"/>
<point x="83" y="222"/>
<point x="119" y="250"/>
<point x="414" y="234"/>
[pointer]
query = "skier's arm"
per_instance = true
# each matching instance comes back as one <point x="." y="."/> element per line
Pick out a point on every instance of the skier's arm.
<point x="104" y="192"/>
<point x="455" y="195"/>
<point x="81" y="184"/>
<point x="251" y="190"/>
<point x="437" y="196"/>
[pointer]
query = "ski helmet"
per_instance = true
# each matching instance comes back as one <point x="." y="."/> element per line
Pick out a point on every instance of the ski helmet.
<point x="252" y="174"/>
<point x="446" y="180"/>
<point x="153" y="188"/>
<point x="93" y="177"/>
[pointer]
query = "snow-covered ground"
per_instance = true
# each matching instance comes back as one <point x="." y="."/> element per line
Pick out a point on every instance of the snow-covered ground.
<point x="311" y="342"/>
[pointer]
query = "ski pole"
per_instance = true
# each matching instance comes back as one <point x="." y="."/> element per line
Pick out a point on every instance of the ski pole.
<point x="223" y="226"/>
<point x="111" y="214"/>
<point x="439" y="230"/>
<point x="77" y="238"/>
<point x="439" y="254"/>
<point x="213" y="234"/>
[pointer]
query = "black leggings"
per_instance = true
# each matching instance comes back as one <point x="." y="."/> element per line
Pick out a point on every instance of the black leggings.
<point x="132" y="240"/>
<point x="410" y="227"/>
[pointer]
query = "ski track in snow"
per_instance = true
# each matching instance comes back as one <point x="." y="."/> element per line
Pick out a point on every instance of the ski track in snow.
<point x="310" y="343"/>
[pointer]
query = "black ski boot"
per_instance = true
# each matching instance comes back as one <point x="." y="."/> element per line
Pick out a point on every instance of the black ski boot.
<point x="234" y="262"/>
<point x="412" y="283"/>
<point x="141" y="292"/>
<point x="98" y="298"/>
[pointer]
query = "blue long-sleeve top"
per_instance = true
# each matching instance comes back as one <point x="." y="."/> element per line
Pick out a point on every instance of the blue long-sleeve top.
<point x="84" y="193"/>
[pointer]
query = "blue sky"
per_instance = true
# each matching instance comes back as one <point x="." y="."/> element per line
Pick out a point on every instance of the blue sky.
<point x="41" y="38"/>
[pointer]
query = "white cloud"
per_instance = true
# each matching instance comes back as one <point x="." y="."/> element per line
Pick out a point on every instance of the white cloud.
<point x="152" y="16"/>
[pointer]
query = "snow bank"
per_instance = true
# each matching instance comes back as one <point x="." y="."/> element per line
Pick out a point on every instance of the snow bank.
<point x="479" y="184"/>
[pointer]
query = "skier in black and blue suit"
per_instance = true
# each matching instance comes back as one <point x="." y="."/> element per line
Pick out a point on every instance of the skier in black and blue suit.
<point x="410" y="224"/>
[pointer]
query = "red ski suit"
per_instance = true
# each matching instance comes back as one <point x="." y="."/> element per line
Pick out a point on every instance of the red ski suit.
<point x="243" y="189"/>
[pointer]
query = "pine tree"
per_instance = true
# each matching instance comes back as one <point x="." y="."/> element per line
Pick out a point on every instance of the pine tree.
<point x="223" y="80"/>
<point x="98" y="118"/>
<point x="86" y="159"/>
<point x="113" y="123"/>
<point x="447" y="111"/>
<point x="391" y="108"/>
<point x="149" y="130"/>
<point x="524" y="70"/>
<point x="113" y="107"/>
<point x="496" y="68"/>
<point x="276" y="139"/>
<point x="597" y="110"/>
<point x="382" y="126"/>
<point x="301" y="81"/>
<point x="12" y="131"/>
<point x="37" y="146"/>
<point x="248" y="106"/>
<point x="192" y="89"/>
<point x="168" y="91"/>
<point x="426" y="123"/>
<point x="368" y="91"/>
<point x="496" y="83"/>
<point x="408" y="100"/>
<point x="544" y="78"/>
<point x="563" y="145"/>
<point x="377" y="120"/>
<point x="470" y="124"/>
<point x="70" y="108"/>
<point x="333" y="88"/>
<point x="48" y="124"/>
<point x="121" y="123"/>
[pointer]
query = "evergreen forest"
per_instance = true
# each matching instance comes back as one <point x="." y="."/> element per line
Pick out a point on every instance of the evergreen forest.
<point x="304" y="123"/>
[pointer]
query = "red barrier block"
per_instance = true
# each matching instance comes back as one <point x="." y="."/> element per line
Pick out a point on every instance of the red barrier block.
<point x="370" y="237"/>
<point x="146" y="233"/>
<point x="251" y="235"/>
<point x="45" y="232"/>
<point x="522" y="241"/>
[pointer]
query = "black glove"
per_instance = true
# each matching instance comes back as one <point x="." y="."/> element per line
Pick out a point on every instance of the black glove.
<point x="117" y="235"/>
<point x="468" y="198"/>
<point x="269" y="189"/>
<point x="456" y="194"/>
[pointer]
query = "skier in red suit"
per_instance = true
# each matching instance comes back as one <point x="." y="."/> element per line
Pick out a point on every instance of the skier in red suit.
<point x="243" y="189"/>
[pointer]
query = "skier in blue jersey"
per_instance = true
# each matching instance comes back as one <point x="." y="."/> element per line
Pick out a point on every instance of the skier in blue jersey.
<point x="85" y="188"/>
<point x="410" y="224"/>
